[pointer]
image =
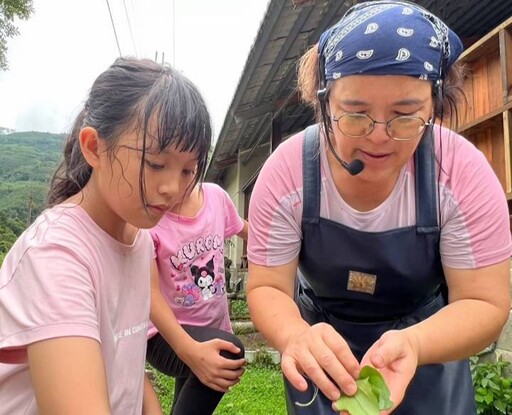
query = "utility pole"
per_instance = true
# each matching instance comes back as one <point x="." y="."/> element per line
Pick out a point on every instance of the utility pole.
<point x="29" y="214"/>
<point x="156" y="57"/>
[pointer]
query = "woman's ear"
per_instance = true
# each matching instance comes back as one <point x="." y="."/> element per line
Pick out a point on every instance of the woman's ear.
<point x="90" y="146"/>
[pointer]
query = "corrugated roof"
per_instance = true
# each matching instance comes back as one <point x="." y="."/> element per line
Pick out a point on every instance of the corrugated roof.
<point x="267" y="83"/>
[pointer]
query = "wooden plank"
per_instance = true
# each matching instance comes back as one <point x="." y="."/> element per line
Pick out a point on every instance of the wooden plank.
<point x="480" y="120"/>
<point x="488" y="137"/>
<point x="480" y="88"/>
<point x="497" y="141"/>
<point x="468" y="113"/>
<point x="507" y="131"/>
<point x="479" y="138"/>
<point x="494" y="81"/>
<point x="488" y="121"/>
<point x="484" y="143"/>
<point x="481" y="47"/>
<point x="506" y="63"/>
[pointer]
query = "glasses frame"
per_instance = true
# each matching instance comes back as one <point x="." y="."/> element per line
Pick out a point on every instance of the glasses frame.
<point x="386" y="123"/>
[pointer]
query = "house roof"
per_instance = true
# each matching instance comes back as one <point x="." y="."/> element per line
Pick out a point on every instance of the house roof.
<point x="267" y="84"/>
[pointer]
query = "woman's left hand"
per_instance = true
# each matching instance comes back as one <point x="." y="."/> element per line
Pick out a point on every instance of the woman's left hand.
<point x="395" y="355"/>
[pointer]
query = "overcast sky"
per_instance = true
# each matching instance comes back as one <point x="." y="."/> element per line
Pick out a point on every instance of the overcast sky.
<point x="66" y="44"/>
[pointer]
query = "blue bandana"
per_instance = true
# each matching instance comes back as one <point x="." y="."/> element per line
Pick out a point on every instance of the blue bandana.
<point x="389" y="38"/>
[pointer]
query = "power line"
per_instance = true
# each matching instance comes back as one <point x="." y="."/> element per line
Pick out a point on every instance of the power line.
<point x="130" y="27"/>
<point x="173" y="33"/>
<point x="114" y="27"/>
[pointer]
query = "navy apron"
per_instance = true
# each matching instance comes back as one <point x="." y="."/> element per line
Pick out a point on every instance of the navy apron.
<point x="366" y="283"/>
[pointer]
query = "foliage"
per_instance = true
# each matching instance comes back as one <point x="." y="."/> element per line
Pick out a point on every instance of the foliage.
<point x="164" y="387"/>
<point x="239" y="310"/>
<point x="227" y="272"/>
<point x="27" y="163"/>
<point x="260" y="392"/>
<point x="372" y="395"/>
<point x="9" y="10"/>
<point x="23" y="200"/>
<point x="493" y="391"/>
<point x="10" y="229"/>
<point x="263" y="360"/>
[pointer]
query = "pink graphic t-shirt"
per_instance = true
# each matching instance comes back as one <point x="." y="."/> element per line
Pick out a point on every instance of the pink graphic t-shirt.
<point x="474" y="219"/>
<point x="190" y="258"/>
<point x="65" y="277"/>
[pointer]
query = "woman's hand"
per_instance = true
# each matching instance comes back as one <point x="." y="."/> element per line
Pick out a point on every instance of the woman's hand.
<point x="213" y="370"/>
<point x="322" y="355"/>
<point x="395" y="355"/>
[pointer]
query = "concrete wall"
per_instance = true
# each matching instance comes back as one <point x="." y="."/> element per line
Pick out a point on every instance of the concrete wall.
<point x="233" y="248"/>
<point x="234" y="180"/>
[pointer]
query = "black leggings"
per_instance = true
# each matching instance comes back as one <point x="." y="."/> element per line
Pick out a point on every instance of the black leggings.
<point x="191" y="397"/>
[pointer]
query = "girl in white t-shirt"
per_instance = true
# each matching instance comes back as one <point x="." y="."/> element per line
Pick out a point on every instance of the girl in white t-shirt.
<point x="75" y="287"/>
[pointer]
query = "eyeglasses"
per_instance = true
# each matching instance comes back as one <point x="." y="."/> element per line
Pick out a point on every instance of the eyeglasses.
<point x="400" y="128"/>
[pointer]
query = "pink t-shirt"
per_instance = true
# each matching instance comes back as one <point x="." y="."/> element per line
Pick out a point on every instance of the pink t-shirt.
<point x="474" y="216"/>
<point x="66" y="277"/>
<point x="190" y="257"/>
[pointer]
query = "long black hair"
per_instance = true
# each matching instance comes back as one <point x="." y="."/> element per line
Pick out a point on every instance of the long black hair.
<point x="134" y="94"/>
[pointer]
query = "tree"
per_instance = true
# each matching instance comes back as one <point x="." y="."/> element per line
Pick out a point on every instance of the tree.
<point x="9" y="10"/>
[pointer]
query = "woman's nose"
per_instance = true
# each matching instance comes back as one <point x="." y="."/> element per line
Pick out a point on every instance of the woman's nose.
<point x="379" y="134"/>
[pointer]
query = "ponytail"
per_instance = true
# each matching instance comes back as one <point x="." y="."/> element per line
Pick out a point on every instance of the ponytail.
<point x="307" y="78"/>
<point x="73" y="172"/>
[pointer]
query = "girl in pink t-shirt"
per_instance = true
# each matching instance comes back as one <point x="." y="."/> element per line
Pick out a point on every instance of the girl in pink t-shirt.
<point x="195" y="343"/>
<point x="75" y="287"/>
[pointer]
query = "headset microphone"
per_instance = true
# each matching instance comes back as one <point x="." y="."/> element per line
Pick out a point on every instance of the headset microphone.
<point x="354" y="167"/>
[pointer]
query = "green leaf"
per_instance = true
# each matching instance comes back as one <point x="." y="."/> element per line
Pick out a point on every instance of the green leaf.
<point x="501" y="406"/>
<point x="372" y="395"/>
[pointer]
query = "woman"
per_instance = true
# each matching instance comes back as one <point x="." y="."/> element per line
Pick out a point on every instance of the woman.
<point x="396" y="226"/>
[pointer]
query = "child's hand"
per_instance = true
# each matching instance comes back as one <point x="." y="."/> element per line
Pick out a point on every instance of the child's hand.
<point x="213" y="370"/>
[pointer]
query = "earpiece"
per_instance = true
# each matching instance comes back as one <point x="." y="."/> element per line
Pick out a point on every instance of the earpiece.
<point x="322" y="90"/>
<point x="320" y="94"/>
<point x="438" y="89"/>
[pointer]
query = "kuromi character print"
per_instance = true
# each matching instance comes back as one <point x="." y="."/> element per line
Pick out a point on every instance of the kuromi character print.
<point x="204" y="277"/>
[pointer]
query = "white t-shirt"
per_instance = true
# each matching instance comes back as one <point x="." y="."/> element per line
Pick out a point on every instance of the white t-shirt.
<point x="64" y="277"/>
<point x="475" y="230"/>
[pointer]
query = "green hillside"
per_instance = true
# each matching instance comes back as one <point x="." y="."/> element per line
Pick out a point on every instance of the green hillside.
<point x="27" y="162"/>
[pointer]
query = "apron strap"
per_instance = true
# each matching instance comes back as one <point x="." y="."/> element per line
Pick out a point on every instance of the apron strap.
<point x="426" y="185"/>
<point x="425" y="180"/>
<point x="311" y="175"/>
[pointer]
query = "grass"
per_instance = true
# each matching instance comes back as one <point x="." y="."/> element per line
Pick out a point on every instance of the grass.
<point x="239" y="310"/>
<point x="260" y="392"/>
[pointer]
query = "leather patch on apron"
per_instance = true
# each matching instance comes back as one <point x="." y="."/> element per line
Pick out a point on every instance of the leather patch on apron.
<point x="361" y="282"/>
